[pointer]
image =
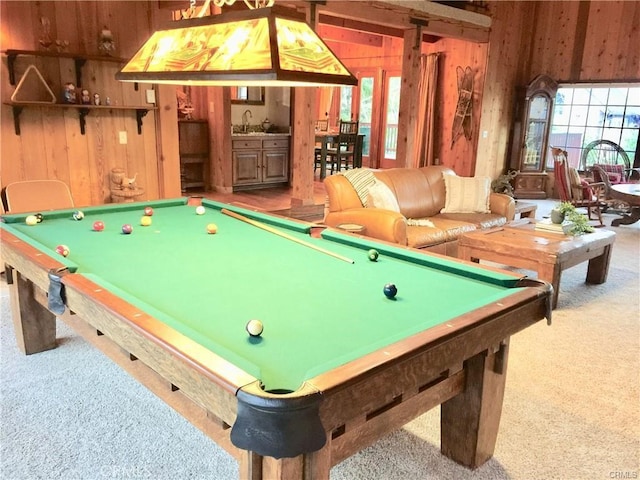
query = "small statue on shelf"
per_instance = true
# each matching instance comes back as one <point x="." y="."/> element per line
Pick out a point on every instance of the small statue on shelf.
<point x="85" y="97"/>
<point x="96" y="99"/>
<point x="69" y="95"/>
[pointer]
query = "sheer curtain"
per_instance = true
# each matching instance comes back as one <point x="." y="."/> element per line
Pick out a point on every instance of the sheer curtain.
<point x="426" y="110"/>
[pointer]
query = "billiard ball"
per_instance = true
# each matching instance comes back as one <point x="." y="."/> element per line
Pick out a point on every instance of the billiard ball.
<point x="212" y="228"/>
<point x="127" y="229"/>
<point x="200" y="210"/>
<point x="148" y="211"/>
<point x="39" y="217"/>
<point x="62" y="250"/>
<point x="31" y="220"/>
<point x="390" y="290"/>
<point x="145" y="221"/>
<point x="254" y="328"/>
<point x="373" y="254"/>
<point x="78" y="215"/>
<point x="98" y="226"/>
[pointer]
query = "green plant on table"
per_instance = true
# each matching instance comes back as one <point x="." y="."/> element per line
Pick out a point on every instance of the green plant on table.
<point x="580" y="221"/>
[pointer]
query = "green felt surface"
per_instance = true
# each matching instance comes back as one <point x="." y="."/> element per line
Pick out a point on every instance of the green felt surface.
<point x="318" y="312"/>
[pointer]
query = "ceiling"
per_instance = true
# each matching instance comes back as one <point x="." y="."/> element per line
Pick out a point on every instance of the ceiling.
<point x="393" y="17"/>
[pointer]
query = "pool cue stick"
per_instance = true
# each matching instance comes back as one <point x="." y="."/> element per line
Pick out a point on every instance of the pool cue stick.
<point x="275" y="231"/>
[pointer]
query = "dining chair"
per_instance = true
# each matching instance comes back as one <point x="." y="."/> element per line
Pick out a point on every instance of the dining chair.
<point x="37" y="195"/>
<point x="322" y="125"/>
<point x="344" y="152"/>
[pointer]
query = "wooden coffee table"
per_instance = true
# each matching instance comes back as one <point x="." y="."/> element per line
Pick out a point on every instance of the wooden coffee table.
<point x="520" y="245"/>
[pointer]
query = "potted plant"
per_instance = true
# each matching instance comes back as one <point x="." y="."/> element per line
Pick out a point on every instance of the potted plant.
<point x="571" y="214"/>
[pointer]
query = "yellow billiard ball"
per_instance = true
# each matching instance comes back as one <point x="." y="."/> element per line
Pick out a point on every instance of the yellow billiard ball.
<point x="212" y="228"/>
<point x="145" y="221"/>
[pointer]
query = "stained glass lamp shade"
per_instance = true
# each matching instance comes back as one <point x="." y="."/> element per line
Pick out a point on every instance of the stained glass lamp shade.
<point x="262" y="47"/>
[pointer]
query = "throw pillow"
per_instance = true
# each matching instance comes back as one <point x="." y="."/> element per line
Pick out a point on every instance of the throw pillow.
<point x="577" y="188"/>
<point x="361" y="179"/>
<point x="381" y="196"/>
<point x="466" y="194"/>
<point x="420" y="222"/>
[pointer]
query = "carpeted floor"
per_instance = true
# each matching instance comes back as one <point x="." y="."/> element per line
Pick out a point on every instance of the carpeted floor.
<point x="571" y="408"/>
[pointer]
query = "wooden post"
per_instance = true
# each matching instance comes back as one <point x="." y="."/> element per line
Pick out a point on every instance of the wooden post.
<point x="302" y="140"/>
<point x="409" y="97"/>
<point x="219" y="113"/>
<point x="167" y="142"/>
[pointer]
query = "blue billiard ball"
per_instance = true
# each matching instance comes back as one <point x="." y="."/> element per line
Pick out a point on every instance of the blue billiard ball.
<point x="390" y="290"/>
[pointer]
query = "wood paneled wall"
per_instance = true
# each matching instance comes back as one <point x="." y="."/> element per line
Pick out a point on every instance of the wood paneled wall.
<point x="570" y="41"/>
<point x="50" y="144"/>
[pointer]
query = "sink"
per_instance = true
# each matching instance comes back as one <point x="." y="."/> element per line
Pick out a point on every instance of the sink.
<point x="255" y="134"/>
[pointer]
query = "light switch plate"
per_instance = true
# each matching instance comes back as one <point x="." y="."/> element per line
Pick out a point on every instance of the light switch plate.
<point x="151" y="96"/>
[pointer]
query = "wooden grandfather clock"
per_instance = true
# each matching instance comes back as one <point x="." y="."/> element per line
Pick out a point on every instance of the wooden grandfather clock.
<point x="532" y="143"/>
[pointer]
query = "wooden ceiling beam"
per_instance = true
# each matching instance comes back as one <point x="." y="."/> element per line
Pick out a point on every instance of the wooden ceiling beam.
<point x="344" y="35"/>
<point x="396" y="15"/>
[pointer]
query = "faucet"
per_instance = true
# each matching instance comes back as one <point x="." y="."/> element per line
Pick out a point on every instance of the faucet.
<point x="245" y="120"/>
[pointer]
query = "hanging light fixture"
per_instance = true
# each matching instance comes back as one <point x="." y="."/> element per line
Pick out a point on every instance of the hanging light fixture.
<point x="262" y="47"/>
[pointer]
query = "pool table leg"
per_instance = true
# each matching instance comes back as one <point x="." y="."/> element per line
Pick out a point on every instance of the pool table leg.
<point x="311" y="466"/>
<point x="34" y="324"/>
<point x="470" y="420"/>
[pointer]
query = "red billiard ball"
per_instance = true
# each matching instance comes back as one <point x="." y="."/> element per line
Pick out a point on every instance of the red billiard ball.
<point x="127" y="229"/>
<point x="98" y="226"/>
<point x="62" y="250"/>
<point x="148" y="211"/>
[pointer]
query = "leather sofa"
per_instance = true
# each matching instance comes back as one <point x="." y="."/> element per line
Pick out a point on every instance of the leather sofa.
<point x="421" y="194"/>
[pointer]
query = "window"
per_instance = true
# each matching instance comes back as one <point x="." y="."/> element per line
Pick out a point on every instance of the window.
<point x="585" y="113"/>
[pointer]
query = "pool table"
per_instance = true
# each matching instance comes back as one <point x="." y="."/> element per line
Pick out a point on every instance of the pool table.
<point x="338" y="364"/>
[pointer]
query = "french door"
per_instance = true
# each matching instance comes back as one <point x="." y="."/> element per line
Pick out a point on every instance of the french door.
<point x="375" y="104"/>
<point x="391" y="107"/>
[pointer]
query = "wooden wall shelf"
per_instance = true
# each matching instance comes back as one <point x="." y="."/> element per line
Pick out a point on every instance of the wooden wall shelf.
<point x="78" y="58"/>
<point x="83" y="111"/>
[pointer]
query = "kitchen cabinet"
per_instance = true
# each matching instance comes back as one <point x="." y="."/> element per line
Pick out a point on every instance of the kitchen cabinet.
<point x="260" y="161"/>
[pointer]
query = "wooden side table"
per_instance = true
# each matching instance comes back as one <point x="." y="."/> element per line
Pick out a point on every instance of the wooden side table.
<point x="526" y="209"/>
<point x="352" y="228"/>
<point x="126" y="195"/>
<point x="549" y="254"/>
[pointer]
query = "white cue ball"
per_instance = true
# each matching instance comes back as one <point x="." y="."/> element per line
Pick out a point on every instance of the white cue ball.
<point x="200" y="210"/>
<point x="254" y="328"/>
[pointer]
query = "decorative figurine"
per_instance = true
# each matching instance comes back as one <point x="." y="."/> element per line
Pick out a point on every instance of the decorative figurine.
<point x="62" y="45"/>
<point x="106" y="45"/>
<point x="45" y="39"/>
<point x="96" y="99"/>
<point x="85" y="97"/>
<point x="69" y="93"/>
